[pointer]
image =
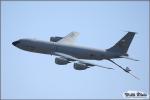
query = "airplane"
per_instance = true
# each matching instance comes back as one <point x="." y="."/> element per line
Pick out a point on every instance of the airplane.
<point x="67" y="52"/>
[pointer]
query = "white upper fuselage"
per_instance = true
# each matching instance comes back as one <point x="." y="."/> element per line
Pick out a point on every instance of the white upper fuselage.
<point x="52" y="47"/>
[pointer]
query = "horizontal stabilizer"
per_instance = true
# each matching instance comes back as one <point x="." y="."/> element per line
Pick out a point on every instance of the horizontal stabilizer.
<point x="129" y="58"/>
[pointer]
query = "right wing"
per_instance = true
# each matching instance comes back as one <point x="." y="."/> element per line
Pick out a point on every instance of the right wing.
<point x="69" y="39"/>
<point x="71" y="58"/>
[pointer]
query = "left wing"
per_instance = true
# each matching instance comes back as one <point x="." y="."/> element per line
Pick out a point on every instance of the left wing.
<point x="71" y="58"/>
<point x="69" y="39"/>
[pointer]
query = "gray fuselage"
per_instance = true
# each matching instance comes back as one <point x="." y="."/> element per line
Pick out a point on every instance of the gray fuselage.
<point x="73" y="50"/>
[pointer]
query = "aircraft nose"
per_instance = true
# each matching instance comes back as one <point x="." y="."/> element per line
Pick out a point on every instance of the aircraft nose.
<point x="15" y="43"/>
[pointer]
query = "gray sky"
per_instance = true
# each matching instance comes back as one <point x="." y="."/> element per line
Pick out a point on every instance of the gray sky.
<point x="27" y="75"/>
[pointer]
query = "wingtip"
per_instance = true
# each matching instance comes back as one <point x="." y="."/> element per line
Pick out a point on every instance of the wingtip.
<point x="136" y="60"/>
<point x="75" y="32"/>
<point x="111" y="68"/>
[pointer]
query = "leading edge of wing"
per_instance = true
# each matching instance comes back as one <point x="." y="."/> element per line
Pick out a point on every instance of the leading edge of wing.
<point x="79" y="60"/>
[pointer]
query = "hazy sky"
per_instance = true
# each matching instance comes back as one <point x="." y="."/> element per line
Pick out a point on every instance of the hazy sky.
<point x="26" y="75"/>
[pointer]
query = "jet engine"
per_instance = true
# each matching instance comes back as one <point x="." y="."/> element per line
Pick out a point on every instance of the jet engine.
<point x="80" y="66"/>
<point x="55" y="39"/>
<point x="61" y="61"/>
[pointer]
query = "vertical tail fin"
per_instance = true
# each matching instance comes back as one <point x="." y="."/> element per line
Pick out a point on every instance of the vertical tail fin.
<point x="122" y="45"/>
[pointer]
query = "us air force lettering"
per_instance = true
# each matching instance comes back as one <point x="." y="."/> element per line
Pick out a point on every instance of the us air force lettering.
<point x="67" y="52"/>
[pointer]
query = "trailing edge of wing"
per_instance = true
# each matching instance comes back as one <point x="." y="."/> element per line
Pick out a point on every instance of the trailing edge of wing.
<point x="81" y="61"/>
<point x="69" y="39"/>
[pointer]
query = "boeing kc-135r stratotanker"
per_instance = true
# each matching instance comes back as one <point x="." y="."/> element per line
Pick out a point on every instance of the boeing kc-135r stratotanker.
<point x="67" y="52"/>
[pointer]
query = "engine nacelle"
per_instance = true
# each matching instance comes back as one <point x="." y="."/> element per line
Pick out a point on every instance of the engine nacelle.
<point x="61" y="61"/>
<point x="80" y="66"/>
<point x="55" y="39"/>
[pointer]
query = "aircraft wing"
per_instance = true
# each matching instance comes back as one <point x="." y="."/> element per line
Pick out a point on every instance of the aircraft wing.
<point x="71" y="58"/>
<point x="69" y="39"/>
